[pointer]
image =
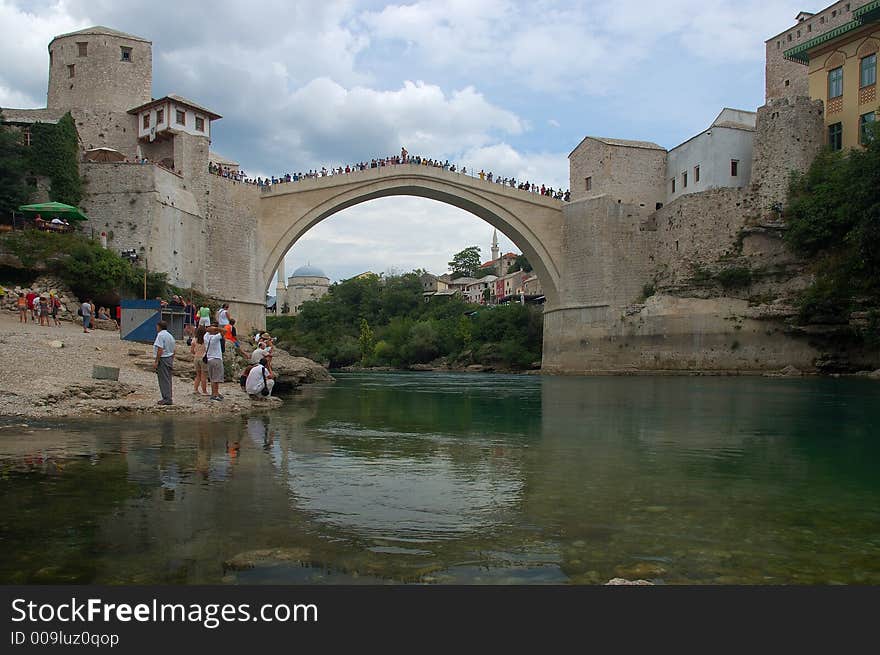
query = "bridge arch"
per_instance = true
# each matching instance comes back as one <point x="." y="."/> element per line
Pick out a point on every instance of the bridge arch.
<point x="532" y="222"/>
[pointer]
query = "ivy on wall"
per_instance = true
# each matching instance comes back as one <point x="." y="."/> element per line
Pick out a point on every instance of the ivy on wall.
<point x="54" y="153"/>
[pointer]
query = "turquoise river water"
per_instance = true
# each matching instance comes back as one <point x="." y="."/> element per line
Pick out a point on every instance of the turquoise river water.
<point x="469" y="479"/>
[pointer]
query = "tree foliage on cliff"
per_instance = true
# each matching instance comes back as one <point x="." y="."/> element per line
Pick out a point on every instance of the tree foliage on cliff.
<point x="13" y="187"/>
<point x="833" y="218"/>
<point x="83" y="265"/>
<point x="386" y="322"/>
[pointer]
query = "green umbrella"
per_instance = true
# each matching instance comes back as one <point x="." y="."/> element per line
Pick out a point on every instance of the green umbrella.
<point x="55" y="209"/>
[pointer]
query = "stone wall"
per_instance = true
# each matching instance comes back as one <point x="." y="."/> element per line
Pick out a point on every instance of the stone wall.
<point x="790" y="133"/>
<point x="99" y="128"/>
<point x="670" y="334"/>
<point x="232" y="270"/>
<point x="605" y="254"/>
<point x="694" y="230"/>
<point x="160" y="150"/>
<point x="149" y="209"/>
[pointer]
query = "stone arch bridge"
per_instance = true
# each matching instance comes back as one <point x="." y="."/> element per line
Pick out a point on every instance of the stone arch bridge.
<point x="533" y="222"/>
<point x="590" y="255"/>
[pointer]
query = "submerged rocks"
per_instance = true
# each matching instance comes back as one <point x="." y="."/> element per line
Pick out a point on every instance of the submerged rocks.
<point x="267" y="557"/>
<point x="615" y="582"/>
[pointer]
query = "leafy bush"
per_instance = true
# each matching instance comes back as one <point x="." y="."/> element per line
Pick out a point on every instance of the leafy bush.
<point x="734" y="278"/>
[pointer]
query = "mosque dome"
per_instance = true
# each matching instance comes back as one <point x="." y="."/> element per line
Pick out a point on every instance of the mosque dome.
<point x="308" y="271"/>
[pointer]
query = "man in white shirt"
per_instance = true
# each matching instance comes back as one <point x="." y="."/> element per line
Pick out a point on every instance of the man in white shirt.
<point x="214" y="353"/>
<point x="258" y="379"/>
<point x="163" y="348"/>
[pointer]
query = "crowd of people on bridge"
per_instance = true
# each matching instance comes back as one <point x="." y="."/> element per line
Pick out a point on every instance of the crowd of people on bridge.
<point x="404" y="157"/>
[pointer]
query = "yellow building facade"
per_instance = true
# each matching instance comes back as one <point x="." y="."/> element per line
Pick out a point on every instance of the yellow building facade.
<point x="843" y="74"/>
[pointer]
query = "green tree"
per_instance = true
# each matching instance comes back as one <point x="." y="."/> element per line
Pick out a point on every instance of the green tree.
<point x="464" y="332"/>
<point x="13" y="189"/>
<point x="833" y="218"/>
<point x="520" y="264"/>
<point x="366" y="341"/>
<point x="466" y="262"/>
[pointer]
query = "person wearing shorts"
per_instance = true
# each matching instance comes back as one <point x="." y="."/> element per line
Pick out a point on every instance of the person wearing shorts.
<point x="22" y="308"/>
<point x="56" y="305"/>
<point x="213" y="339"/>
<point x="204" y="316"/>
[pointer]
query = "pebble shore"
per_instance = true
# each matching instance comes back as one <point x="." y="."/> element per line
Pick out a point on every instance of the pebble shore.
<point x="42" y="380"/>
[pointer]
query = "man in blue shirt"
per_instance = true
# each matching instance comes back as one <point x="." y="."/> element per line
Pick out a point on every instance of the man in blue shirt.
<point x="163" y="347"/>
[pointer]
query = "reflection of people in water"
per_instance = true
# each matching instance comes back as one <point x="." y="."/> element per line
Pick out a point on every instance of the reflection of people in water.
<point x="232" y="449"/>
<point x="259" y="432"/>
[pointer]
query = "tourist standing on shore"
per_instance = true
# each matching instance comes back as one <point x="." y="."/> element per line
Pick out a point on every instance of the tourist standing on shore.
<point x="44" y="310"/>
<point x="204" y="316"/>
<point x="55" y="303"/>
<point x="213" y="341"/>
<point x="198" y="351"/>
<point x="86" y="312"/>
<point x="163" y="348"/>
<point x="30" y="303"/>
<point x="22" y="308"/>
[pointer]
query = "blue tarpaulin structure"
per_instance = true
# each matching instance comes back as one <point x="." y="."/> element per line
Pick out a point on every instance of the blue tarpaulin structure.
<point x="139" y="318"/>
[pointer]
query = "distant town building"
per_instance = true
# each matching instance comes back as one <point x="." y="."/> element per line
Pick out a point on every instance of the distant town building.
<point x="475" y="292"/>
<point x="506" y="261"/>
<point x="842" y="67"/>
<point x="305" y="283"/>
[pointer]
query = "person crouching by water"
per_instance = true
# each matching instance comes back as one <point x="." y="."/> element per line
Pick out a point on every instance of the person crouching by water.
<point x="214" y="353"/>
<point x="163" y="346"/>
<point x="260" y="380"/>
<point x="197" y="348"/>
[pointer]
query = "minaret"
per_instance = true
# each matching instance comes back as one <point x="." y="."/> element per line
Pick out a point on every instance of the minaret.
<point x="495" y="251"/>
<point x="280" y="289"/>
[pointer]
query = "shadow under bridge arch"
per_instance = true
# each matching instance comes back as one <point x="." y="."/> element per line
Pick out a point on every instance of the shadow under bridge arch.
<point x="532" y="222"/>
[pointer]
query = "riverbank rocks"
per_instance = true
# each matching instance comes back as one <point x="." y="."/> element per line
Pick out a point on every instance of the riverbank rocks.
<point x="104" y="324"/>
<point x="871" y="375"/>
<point x="298" y="370"/>
<point x="787" y="372"/>
<point x="56" y="344"/>
<point x="622" y="582"/>
<point x="42" y="286"/>
<point x="98" y="390"/>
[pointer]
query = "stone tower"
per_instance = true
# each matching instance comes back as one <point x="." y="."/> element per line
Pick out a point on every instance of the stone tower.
<point x="99" y="69"/>
<point x="790" y="133"/>
<point x="495" y="250"/>
<point x="98" y="74"/>
<point x="280" y="289"/>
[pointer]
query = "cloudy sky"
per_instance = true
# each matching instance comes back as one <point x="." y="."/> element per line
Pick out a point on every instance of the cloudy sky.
<point x="507" y="86"/>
